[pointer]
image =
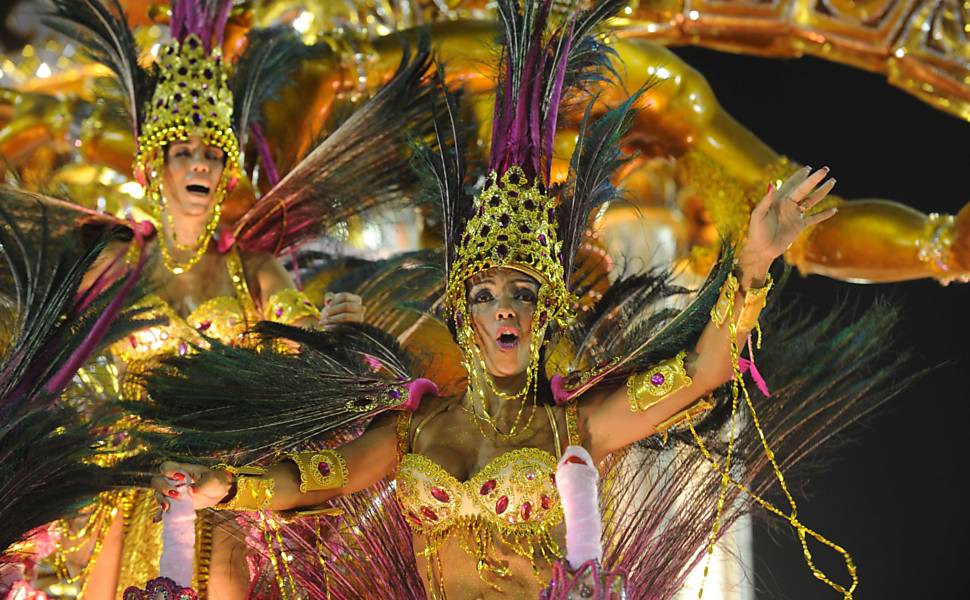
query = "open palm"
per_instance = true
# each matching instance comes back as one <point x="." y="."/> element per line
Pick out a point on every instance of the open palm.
<point x="783" y="214"/>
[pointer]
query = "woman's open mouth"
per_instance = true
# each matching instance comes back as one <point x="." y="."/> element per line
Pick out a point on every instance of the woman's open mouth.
<point x="508" y="338"/>
<point x="197" y="189"/>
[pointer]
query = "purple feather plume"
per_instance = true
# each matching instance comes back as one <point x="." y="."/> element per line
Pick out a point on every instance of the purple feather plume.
<point x="204" y="18"/>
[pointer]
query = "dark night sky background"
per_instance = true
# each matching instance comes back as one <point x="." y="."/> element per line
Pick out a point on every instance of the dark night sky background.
<point x="893" y="497"/>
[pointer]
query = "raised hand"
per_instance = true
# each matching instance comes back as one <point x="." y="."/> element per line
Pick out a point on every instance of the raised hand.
<point x="783" y="214"/>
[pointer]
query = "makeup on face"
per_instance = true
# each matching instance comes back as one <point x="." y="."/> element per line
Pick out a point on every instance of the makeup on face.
<point x="502" y="305"/>
<point x="192" y="173"/>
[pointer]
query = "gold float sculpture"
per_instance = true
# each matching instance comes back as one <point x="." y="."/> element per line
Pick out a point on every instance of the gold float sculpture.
<point x="699" y="169"/>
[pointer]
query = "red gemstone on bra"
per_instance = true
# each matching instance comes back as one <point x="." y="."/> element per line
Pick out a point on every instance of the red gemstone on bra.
<point x="487" y="487"/>
<point x="204" y="325"/>
<point x="440" y="495"/>
<point x="324" y="468"/>
<point x="526" y="511"/>
<point x="501" y="505"/>
<point x="546" y="502"/>
<point x="430" y="514"/>
<point x="133" y="341"/>
<point x="415" y="518"/>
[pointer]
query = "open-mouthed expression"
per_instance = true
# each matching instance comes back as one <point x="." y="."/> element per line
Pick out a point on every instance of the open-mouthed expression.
<point x="502" y="304"/>
<point x="192" y="173"/>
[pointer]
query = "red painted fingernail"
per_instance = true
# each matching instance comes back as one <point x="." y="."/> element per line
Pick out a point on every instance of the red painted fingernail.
<point x="178" y="476"/>
<point x="769" y="187"/>
<point x="165" y="507"/>
<point x="575" y="460"/>
<point x="172" y="493"/>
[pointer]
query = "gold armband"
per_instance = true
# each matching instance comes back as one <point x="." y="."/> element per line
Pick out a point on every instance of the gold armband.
<point x="253" y="491"/>
<point x="643" y="390"/>
<point x="754" y="303"/>
<point x="701" y="407"/>
<point x="289" y="306"/>
<point x="320" y="470"/>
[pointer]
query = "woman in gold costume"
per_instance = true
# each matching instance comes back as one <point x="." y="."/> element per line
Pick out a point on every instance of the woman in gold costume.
<point x="472" y="473"/>
<point x="191" y="114"/>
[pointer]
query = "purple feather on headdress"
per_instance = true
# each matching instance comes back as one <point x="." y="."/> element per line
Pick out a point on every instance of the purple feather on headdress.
<point x="531" y="89"/>
<point x="205" y="18"/>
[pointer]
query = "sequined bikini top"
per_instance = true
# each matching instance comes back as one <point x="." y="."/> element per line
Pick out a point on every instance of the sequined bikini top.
<point x="223" y="318"/>
<point x="514" y="495"/>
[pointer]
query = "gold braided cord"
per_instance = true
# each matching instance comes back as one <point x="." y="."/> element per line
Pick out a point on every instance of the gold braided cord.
<point x="802" y="531"/>
<point x="203" y="554"/>
<point x="738" y="388"/>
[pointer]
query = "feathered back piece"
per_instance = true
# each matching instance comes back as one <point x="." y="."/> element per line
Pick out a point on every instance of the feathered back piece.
<point x="361" y="165"/>
<point x="339" y="379"/>
<point x="47" y="330"/>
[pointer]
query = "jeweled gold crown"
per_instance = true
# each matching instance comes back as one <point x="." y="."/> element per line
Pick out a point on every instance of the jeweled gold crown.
<point x="513" y="226"/>
<point x="192" y="97"/>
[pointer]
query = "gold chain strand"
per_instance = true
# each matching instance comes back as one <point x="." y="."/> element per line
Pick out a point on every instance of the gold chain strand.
<point x="157" y="198"/>
<point x="85" y="575"/>
<point x="722" y="491"/>
<point x="796" y="524"/>
<point x="738" y="388"/>
<point x="268" y="538"/>
<point x="473" y="359"/>
<point x="320" y="556"/>
<point x="98" y="524"/>
<point x="286" y="563"/>
<point x="284" y="577"/>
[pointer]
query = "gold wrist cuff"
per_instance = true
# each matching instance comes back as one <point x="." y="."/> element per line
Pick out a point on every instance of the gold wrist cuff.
<point x="289" y="306"/>
<point x="754" y="303"/>
<point x="701" y="407"/>
<point x="643" y="390"/>
<point x="253" y="492"/>
<point x="320" y="470"/>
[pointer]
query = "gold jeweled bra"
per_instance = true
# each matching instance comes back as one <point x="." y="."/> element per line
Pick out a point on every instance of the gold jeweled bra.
<point x="514" y="498"/>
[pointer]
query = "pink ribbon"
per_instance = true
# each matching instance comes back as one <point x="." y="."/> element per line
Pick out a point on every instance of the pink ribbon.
<point x="746" y="365"/>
